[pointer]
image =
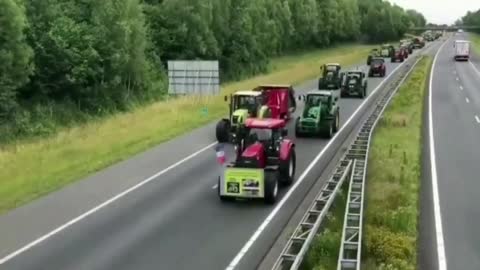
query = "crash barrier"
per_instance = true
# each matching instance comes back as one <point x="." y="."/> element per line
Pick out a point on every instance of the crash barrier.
<point x="353" y="165"/>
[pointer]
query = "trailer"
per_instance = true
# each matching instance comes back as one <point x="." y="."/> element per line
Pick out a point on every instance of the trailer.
<point x="462" y="50"/>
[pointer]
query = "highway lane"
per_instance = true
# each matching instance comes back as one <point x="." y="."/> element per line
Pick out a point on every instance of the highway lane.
<point x="173" y="222"/>
<point x="455" y="103"/>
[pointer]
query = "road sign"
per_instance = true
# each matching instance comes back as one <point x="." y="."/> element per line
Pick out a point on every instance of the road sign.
<point x="193" y="77"/>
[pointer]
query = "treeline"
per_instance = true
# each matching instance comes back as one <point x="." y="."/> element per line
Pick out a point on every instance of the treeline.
<point x="62" y="61"/>
<point x="471" y="19"/>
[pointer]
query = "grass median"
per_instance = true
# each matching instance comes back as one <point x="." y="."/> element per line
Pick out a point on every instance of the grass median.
<point x="31" y="169"/>
<point x="475" y="38"/>
<point x="393" y="181"/>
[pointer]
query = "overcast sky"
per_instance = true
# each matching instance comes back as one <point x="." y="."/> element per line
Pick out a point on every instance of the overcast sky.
<point x="440" y="11"/>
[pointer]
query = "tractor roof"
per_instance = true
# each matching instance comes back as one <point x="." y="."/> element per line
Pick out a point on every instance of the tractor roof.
<point x="332" y="64"/>
<point x="264" y="123"/>
<point x="247" y="93"/>
<point x="273" y="86"/>
<point x="320" y="92"/>
<point x="355" y="72"/>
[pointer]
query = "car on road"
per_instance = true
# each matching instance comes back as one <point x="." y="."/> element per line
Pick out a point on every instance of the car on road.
<point x="265" y="159"/>
<point x="377" y="67"/>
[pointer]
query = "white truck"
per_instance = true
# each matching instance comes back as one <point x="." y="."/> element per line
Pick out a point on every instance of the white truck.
<point x="462" y="50"/>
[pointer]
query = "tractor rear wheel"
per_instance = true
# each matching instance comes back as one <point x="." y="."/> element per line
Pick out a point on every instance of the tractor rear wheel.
<point x="328" y="133"/>
<point x="222" y="131"/>
<point x="287" y="169"/>
<point x="271" y="186"/>
<point x="336" y="125"/>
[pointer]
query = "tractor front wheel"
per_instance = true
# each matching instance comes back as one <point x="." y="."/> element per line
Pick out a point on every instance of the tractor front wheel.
<point x="298" y="133"/>
<point x="222" y="131"/>
<point x="287" y="169"/>
<point x="271" y="186"/>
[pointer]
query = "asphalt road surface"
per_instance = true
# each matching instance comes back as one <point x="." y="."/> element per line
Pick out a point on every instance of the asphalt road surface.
<point x="172" y="219"/>
<point x="456" y="132"/>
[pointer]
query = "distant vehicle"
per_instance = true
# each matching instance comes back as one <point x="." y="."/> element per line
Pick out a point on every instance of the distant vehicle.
<point x="377" y="67"/>
<point x="399" y="55"/>
<point x="462" y="50"/>
<point x="460" y="31"/>
<point x="418" y="43"/>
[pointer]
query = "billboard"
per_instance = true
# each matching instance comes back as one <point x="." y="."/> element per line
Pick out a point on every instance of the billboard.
<point x="193" y="77"/>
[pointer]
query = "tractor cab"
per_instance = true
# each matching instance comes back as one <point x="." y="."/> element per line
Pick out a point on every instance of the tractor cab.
<point x="331" y="76"/>
<point x="248" y="101"/>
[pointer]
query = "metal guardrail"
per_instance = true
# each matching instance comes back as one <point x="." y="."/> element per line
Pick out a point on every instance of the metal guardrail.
<point x="298" y="244"/>
<point x="352" y="164"/>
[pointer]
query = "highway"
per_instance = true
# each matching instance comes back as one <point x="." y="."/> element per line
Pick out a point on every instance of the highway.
<point x="160" y="210"/>
<point x="455" y="114"/>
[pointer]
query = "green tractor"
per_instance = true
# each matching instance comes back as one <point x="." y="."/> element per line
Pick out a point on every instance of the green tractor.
<point x="321" y="115"/>
<point x="243" y="105"/>
<point x="355" y="83"/>
<point x="331" y="76"/>
<point x="387" y="51"/>
<point x="373" y="53"/>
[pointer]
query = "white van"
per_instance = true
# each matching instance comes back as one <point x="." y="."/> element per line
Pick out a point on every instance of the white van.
<point x="462" y="50"/>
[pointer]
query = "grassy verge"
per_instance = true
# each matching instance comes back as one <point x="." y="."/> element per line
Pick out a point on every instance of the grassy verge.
<point x="34" y="168"/>
<point x="394" y="178"/>
<point x="392" y="191"/>
<point x="475" y="38"/>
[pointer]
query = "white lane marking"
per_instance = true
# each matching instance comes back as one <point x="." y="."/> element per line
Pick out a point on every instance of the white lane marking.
<point x="478" y="119"/>
<point x="456" y="79"/>
<point x="467" y="100"/>
<point x="461" y="87"/>
<point x="97" y="208"/>
<point x="474" y="67"/>
<point x="215" y="186"/>
<point x="272" y="214"/>
<point x="442" y="260"/>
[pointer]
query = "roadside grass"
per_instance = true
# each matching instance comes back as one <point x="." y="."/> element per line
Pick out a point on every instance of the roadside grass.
<point x="323" y="253"/>
<point x="30" y="169"/>
<point x="475" y="38"/>
<point x="393" y="181"/>
<point x="393" y="178"/>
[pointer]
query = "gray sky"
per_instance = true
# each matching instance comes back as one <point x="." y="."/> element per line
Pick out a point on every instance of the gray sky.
<point x="440" y="11"/>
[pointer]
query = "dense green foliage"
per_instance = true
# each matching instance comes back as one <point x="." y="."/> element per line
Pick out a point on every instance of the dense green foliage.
<point x="66" y="60"/>
<point x="471" y="19"/>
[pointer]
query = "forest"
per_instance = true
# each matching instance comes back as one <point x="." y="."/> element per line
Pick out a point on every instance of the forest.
<point x="471" y="19"/>
<point x="63" y="62"/>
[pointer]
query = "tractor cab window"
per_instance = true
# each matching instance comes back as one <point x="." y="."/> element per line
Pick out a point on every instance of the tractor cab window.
<point x="259" y="135"/>
<point x="377" y="61"/>
<point x="353" y="78"/>
<point x="315" y="100"/>
<point x="246" y="102"/>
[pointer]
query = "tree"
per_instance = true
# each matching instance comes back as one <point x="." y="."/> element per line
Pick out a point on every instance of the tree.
<point x="15" y="54"/>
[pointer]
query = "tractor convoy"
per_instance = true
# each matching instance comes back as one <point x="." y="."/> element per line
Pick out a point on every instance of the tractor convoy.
<point x="257" y="123"/>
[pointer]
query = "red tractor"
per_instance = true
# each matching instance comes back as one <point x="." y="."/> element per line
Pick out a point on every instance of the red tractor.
<point x="400" y="54"/>
<point x="265" y="159"/>
<point x="377" y="67"/>
<point x="280" y="100"/>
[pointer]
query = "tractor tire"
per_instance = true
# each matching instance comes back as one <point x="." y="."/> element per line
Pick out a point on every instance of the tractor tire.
<point x="222" y="131"/>
<point x="223" y="198"/>
<point x="329" y="132"/>
<point x="298" y="133"/>
<point x="271" y="186"/>
<point x="287" y="169"/>
<point x="370" y="74"/>
<point x="336" y="123"/>
<point x="362" y="93"/>
<point x="393" y="60"/>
